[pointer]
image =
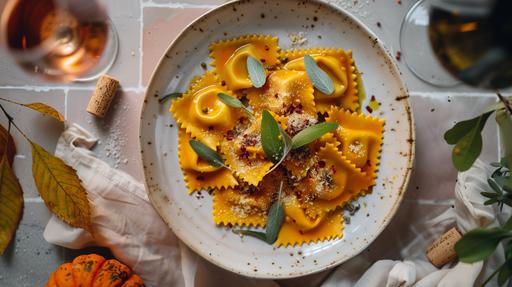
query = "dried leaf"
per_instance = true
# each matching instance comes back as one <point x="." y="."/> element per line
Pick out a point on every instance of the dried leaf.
<point x="11" y="203"/>
<point x="7" y="145"/>
<point x="61" y="188"/>
<point x="46" y="110"/>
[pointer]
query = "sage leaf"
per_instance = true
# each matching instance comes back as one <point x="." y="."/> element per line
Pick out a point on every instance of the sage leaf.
<point x="309" y="134"/>
<point x="233" y="102"/>
<point x="480" y="243"/>
<point x="256" y="234"/>
<point x="206" y="153"/>
<point x="318" y="77"/>
<point x="170" y="96"/>
<point x="287" y="148"/>
<point x="256" y="72"/>
<point x="275" y="218"/>
<point x="271" y="138"/>
<point x="467" y="138"/>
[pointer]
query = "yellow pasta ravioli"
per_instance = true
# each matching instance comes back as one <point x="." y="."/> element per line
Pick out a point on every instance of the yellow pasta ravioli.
<point x="285" y="92"/>
<point x="202" y="114"/>
<point x="360" y="137"/>
<point x="315" y="180"/>
<point x="339" y="65"/>
<point x="230" y="58"/>
<point x="198" y="173"/>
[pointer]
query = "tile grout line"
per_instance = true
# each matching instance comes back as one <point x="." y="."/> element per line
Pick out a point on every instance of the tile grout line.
<point x="177" y="5"/>
<point x="141" y="42"/>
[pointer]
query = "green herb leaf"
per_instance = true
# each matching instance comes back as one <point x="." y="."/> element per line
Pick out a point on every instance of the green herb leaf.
<point x="469" y="145"/>
<point x="489" y="194"/>
<point x="287" y="140"/>
<point x="318" y="77"/>
<point x="504" y="273"/>
<point x="256" y="234"/>
<point x="309" y="134"/>
<point x="508" y="224"/>
<point x="275" y="218"/>
<point x="461" y="129"/>
<point x="256" y="72"/>
<point x="478" y="244"/>
<point x="206" y="153"/>
<point x="170" y="96"/>
<point x="274" y="222"/>
<point x="271" y="138"/>
<point x="504" y="120"/>
<point x="233" y="102"/>
<point x="361" y="92"/>
<point x="493" y="185"/>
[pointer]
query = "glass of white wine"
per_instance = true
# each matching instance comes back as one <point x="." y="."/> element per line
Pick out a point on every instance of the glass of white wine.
<point x="60" y="40"/>
<point x="471" y="39"/>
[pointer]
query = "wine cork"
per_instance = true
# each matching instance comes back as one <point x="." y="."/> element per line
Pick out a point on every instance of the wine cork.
<point x="442" y="250"/>
<point x="103" y="94"/>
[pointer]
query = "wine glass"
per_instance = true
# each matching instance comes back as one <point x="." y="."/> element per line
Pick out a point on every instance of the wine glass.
<point x="472" y="39"/>
<point x="60" y="40"/>
<point x="416" y="50"/>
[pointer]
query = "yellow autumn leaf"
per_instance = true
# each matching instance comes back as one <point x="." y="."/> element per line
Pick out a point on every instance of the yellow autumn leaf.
<point x="11" y="203"/>
<point x="46" y="110"/>
<point x="7" y="145"/>
<point x="61" y="188"/>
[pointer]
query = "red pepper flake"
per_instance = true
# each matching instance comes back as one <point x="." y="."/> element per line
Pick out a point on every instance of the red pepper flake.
<point x="379" y="25"/>
<point x="369" y="109"/>
<point x="200" y="177"/>
<point x="321" y="163"/>
<point x="399" y="2"/>
<point x="398" y="55"/>
<point x="210" y="128"/>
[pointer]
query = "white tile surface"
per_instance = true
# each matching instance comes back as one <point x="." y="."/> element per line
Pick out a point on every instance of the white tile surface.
<point x="146" y="27"/>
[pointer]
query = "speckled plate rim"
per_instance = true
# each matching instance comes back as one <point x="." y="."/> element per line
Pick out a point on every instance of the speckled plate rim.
<point x="406" y="175"/>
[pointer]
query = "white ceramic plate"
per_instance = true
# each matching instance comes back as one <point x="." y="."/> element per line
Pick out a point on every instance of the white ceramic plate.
<point x="190" y="217"/>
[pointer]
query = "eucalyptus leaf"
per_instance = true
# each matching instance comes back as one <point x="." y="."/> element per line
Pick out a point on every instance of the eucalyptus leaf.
<point x="504" y="120"/>
<point x="508" y="224"/>
<point x="310" y="134"/>
<point x="206" y="153"/>
<point x="489" y="194"/>
<point x="320" y="79"/>
<point x="494" y="185"/>
<point x="233" y="102"/>
<point x="469" y="146"/>
<point x="275" y="218"/>
<point x="480" y="243"/>
<point x="256" y="234"/>
<point x="460" y="129"/>
<point x="170" y="96"/>
<point x="504" y="273"/>
<point x="271" y="138"/>
<point x="490" y="201"/>
<point x="256" y="72"/>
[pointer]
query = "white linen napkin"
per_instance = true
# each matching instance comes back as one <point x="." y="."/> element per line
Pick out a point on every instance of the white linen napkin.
<point x="121" y="213"/>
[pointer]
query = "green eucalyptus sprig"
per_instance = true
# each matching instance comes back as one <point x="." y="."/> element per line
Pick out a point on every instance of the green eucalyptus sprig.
<point x="480" y="243"/>
<point x="275" y="220"/>
<point x="467" y="138"/>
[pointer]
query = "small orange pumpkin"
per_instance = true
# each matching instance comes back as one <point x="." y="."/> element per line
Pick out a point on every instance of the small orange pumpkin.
<point x="94" y="271"/>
